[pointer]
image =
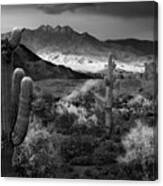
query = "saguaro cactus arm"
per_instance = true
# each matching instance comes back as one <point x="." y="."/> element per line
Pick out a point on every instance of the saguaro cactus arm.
<point x="21" y="126"/>
<point x="15" y="91"/>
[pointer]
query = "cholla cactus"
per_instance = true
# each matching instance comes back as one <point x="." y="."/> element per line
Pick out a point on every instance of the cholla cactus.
<point x="107" y="101"/>
<point x="16" y="97"/>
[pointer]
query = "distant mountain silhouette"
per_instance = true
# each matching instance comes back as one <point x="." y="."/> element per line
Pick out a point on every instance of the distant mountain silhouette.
<point x="141" y="47"/>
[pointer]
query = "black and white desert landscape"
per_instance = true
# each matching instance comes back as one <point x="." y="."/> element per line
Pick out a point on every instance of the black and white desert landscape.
<point x="79" y="100"/>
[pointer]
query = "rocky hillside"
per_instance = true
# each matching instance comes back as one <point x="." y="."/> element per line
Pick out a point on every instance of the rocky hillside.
<point x="38" y="68"/>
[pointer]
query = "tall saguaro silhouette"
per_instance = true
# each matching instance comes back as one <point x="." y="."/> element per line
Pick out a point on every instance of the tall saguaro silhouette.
<point x="16" y="94"/>
<point x="107" y="101"/>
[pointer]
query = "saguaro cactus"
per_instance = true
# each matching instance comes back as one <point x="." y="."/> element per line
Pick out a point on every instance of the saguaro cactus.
<point x="16" y="94"/>
<point x="108" y="100"/>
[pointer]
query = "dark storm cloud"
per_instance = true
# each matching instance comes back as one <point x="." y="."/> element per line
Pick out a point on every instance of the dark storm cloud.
<point x="122" y="9"/>
<point x="59" y="8"/>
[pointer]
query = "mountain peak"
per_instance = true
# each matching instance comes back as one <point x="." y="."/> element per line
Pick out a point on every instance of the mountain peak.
<point x="67" y="28"/>
<point x="60" y="29"/>
<point x="63" y="29"/>
<point x="57" y="28"/>
<point x="46" y="28"/>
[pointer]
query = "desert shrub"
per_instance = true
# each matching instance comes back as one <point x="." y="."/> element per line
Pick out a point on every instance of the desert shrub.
<point x="138" y="170"/>
<point x="78" y="129"/>
<point x="64" y="122"/>
<point x="119" y="171"/>
<point x="43" y="107"/>
<point x="38" y="106"/>
<point x="139" y="143"/>
<point x="107" y="152"/>
<point x="139" y="146"/>
<point x="100" y="114"/>
<point x="83" y="129"/>
<point x="77" y="146"/>
<point x="86" y="100"/>
<point x="82" y="160"/>
<point x="121" y="126"/>
<point x="91" y="173"/>
<point x="114" y="171"/>
<point x="38" y="155"/>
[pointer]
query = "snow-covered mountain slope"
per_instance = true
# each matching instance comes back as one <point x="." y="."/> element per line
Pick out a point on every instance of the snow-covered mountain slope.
<point x="92" y="64"/>
<point x="76" y="62"/>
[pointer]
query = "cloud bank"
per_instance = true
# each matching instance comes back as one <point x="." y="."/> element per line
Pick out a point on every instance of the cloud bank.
<point x="121" y="9"/>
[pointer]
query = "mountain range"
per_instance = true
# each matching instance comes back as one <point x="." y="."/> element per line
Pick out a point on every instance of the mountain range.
<point x="81" y="51"/>
<point x="68" y="41"/>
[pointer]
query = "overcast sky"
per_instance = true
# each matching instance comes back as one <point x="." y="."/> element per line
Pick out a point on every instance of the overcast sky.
<point x="103" y="20"/>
